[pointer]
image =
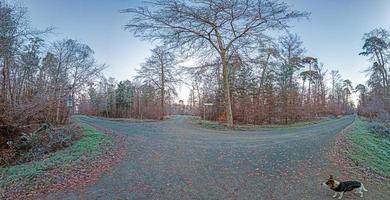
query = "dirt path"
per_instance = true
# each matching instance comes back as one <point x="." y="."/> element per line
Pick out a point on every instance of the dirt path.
<point x="175" y="160"/>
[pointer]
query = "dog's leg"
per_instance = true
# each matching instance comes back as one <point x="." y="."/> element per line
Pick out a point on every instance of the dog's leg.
<point x="360" y="191"/>
<point x="335" y="195"/>
<point x="341" y="195"/>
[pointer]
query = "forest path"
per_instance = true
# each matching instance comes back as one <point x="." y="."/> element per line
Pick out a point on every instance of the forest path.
<point x="176" y="160"/>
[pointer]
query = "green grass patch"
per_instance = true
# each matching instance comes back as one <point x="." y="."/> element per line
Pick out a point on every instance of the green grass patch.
<point x="252" y="127"/>
<point x="88" y="147"/>
<point x="369" y="149"/>
<point x="131" y="120"/>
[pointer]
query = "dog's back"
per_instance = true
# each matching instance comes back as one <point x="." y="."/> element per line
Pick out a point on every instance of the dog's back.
<point x="347" y="186"/>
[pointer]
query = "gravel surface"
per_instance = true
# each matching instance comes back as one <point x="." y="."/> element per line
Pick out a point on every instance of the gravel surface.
<point x="176" y="160"/>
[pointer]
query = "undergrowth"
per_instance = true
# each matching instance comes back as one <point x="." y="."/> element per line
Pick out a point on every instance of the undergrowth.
<point x="88" y="147"/>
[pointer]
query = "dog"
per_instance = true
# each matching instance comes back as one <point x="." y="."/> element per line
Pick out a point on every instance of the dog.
<point x="345" y="186"/>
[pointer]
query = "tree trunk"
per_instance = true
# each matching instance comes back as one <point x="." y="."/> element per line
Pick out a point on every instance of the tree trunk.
<point x="58" y="107"/>
<point x="139" y="104"/>
<point x="303" y="91"/>
<point x="56" y="103"/>
<point x="162" y="92"/>
<point x="226" y="87"/>
<point x="200" y="101"/>
<point x="262" y="78"/>
<point x="4" y="85"/>
<point x="309" y="89"/>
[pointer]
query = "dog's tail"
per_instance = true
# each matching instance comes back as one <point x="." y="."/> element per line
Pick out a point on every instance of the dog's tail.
<point x="363" y="188"/>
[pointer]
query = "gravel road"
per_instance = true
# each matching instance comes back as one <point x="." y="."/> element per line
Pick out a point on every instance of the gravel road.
<point x="174" y="159"/>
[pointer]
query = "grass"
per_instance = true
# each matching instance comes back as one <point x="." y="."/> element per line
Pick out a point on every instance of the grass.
<point x="252" y="127"/>
<point x="369" y="149"/>
<point x="88" y="147"/>
<point x="132" y="120"/>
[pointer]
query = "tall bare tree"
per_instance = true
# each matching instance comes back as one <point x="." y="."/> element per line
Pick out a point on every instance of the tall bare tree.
<point x="311" y="63"/>
<point x="159" y="71"/>
<point x="216" y="26"/>
<point x="71" y="67"/>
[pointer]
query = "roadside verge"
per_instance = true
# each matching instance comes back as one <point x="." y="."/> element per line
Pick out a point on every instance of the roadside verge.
<point x="70" y="168"/>
<point x="358" y="148"/>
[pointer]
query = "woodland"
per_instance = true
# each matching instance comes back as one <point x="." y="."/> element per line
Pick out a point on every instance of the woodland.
<point x="247" y="65"/>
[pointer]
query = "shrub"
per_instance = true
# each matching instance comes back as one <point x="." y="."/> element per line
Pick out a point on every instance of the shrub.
<point x="380" y="128"/>
<point x="383" y="117"/>
<point x="39" y="143"/>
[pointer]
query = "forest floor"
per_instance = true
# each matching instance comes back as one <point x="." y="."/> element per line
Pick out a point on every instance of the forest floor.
<point x="175" y="159"/>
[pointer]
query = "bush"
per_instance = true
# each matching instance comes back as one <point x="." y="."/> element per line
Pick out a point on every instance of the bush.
<point x="92" y="144"/>
<point x="383" y="117"/>
<point x="39" y="143"/>
<point x="380" y="128"/>
<point x="380" y="125"/>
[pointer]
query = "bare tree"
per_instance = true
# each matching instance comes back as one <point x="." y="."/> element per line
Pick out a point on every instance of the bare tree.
<point x="71" y="66"/>
<point x="335" y="79"/>
<point x="159" y="71"/>
<point x="291" y="51"/>
<point x="217" y="25"/>
<point x="311" y="63"/>
<point x="347" y="88"/>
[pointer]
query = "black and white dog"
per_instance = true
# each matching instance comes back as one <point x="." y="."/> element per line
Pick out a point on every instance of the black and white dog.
<point x="345" y="186"/>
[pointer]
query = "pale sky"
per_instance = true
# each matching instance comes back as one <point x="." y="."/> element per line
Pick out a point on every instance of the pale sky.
<point x="333" y="34"/>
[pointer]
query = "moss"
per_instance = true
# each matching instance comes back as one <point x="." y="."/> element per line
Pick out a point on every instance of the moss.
<point x="369" y="149"/>
<point x="88" y="147"/>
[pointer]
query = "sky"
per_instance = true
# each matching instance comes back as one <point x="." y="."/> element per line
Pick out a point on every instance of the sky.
<point x="333" y="33"/>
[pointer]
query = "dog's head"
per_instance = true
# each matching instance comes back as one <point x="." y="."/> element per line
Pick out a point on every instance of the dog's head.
<point x="331" y="183"/>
